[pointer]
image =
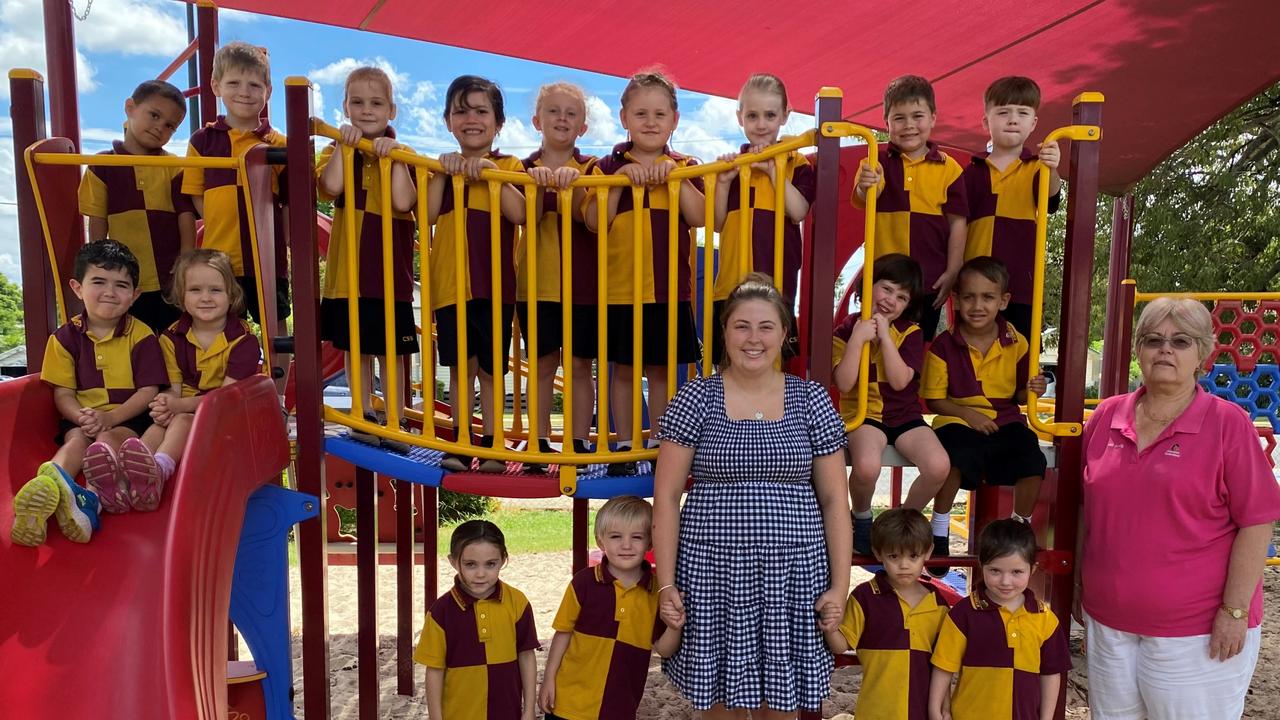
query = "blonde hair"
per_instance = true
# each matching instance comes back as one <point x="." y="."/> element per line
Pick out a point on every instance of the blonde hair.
<point x="650" y="78"/>
<point x="567" y="88"/>
<point x="218" y="261"/>
<point x="372" y="74"/>
<point x="239" y="55"/>
<point x="766" y="83"/>
<point x="623" y="511"/>
<point x="1189" y="316"/>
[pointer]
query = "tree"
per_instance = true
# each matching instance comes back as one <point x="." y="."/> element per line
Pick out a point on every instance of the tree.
<point x="11" y="328"/>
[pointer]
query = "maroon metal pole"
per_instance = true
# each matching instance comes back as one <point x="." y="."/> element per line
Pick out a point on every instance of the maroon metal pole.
<point x="581" y="519"/>
<point x="1115" y="363"/>
<point x="207" y="35"/>
<point x="60" y="54"/>
<point x="26" y="110"/>
<point x="825" y="210"/>
<point x="404" y="586"/>
<point x="367" y="592"/>
<point x="1073" y="348"/>
<point x="1129" y="290"/>
<point x="301" y="156"/>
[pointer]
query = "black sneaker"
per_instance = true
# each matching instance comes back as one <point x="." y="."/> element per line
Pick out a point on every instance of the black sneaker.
<point x="364" y="437"/>
<point x="582" y="447"/>
<point x="622" y="468"/>
<point x="941" y="549"/>
<point x="862" y="536"/>
<point x="490" y="465"/>
<point x="456" y="463"/>
<point x="533" y="468"/>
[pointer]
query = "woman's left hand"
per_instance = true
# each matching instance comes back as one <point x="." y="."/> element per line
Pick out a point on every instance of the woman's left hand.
<point x="1227" y="639"/>
<point x="832" y="597"/>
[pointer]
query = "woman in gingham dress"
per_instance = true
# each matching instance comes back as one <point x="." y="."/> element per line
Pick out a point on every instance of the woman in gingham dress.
<point x="764" y="538"/>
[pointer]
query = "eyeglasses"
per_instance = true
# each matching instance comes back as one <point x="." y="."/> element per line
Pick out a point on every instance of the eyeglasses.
<point x="1157" y="342"/>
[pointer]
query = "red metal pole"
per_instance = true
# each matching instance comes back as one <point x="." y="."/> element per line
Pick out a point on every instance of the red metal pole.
<point x="404" y="586"/>
<point x="26" y="110"/>
<point x="1115" y="362"/>
<point x="823" y="259"/>
<point x="1129" y="291"/>
<point x="367" y="591"/>
<point x="60" y="54"/>
<point x="207" y="36"/>
<point x="301" y="155"/>
<point x="581" y="519"/>
<point x="179" y="61"/>
<point x="1073" y="347"/>
<point x="895" y="487"/>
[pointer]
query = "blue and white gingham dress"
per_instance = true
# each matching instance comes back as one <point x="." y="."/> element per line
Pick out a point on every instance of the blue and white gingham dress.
<point x="752" y="558"/>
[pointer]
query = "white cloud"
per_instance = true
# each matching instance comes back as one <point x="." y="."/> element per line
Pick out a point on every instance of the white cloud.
<point x="23" y="49"/>
<point x="134" y="27"/>
<point x="603" y="129"/>
<point x="9" y="248"/>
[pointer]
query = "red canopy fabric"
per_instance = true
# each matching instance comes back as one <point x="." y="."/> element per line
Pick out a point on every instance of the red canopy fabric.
<point x="1168" y="68"/>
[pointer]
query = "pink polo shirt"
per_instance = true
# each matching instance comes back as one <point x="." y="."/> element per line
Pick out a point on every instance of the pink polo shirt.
<point x="1159" y="524"/>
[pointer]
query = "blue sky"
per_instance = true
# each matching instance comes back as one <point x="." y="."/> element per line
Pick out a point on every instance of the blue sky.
<point x="123" y="42"/>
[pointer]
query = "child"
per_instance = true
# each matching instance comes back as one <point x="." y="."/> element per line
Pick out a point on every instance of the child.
<point x="560" y="114"/>
<point x="143" y="207"/>
<point x="1007" y="646"/>
<point x="975" y="376"/>
<point x="762" y="111"/>
<point x="479" y="638"/>
<point x="650" y="114"/>
<point x="209" y="347"/>
<point x="608" y="624"/>
<point x="104" y="366"/>
<point x="474" y="114"/>
<point x="892" y="620"/>
<point x="893" y="396"/>
<point x="242" y="80"/>
<point x="1001" y="186"/>
<point x="920" y="201"/>
<point x="368" y="104"/>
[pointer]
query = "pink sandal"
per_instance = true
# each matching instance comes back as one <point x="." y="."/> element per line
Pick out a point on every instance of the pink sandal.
<point x="141" y="474"/>
<point x="102" y="475"/>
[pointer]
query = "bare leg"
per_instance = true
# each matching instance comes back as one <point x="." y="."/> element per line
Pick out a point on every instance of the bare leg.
<point x="866" y="446"/>
<point x="922" y="448"/>
<point x="584" y="398"/>
<point x="70" y="456"/>
<point x="620" y="400"/>
<point x="718" y="712"/>
<point x="153" y="438"/>
<point x="547" y="366"/>
<point x="175" y="437"/>
<point x="1025" y="493"/>
<point x="488" y="410"/>
<point x="657" y="375"/>
<point x="947" y="493"/>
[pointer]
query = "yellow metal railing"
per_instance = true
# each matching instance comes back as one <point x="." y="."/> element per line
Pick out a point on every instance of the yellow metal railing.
<point x="422" y="168"/>
<point x="1206" y="296"/>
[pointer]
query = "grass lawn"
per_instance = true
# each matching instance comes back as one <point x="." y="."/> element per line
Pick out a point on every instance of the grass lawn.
<point x="528" y="531"/>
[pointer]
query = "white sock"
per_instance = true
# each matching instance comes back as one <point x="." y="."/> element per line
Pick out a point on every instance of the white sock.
<point x="166" y="465"/>
<point x="1020" y="518"/>
<point x="941" y="524"/>
<point x="861" y="514"/>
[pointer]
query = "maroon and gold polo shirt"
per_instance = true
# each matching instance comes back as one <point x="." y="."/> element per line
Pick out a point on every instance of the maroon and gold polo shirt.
<point x="104" y="372"/>
<point x="955" y="370"/>
<point x="584" y="245"/>
<point x="884" y="404"/>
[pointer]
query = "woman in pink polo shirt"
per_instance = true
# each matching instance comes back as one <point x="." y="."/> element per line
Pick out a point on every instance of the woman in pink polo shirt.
<point x="1179" y="502"/>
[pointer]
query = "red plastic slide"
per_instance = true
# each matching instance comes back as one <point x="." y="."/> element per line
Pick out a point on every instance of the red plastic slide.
<point x="134" y="624"/>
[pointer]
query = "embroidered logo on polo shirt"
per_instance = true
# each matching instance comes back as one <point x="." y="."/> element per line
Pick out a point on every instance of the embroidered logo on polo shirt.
<point x="1174" y="450"/>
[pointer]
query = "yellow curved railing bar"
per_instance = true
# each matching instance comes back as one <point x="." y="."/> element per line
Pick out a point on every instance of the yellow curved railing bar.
<point x="1206" y="296"/>
<point x="1077" y="133"/>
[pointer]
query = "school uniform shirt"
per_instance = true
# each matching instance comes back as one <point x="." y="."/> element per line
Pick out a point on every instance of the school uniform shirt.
<point x="1002" y="216"/>
<point x="914" y="200"/>
<point x="226" y="221"/>
<point x="104" y="372"/>
<point x="653" y="219"/>
<point x="472" y="222"/>
<point x="368" y="224"/>
<point x="757" y="254"/>
<point x="1000" y="656"/>
<point x="894" y="642"/>
<point x="1201" y="480"/>
<point x="603" y="673"/>
<point x="476" y="642"/>
<point x="234" y="353"/>
<point x="584" y="245"/>
<point x="884" y="404"/>
<point x="956" y="371"/>
<point x="141" y="206"/>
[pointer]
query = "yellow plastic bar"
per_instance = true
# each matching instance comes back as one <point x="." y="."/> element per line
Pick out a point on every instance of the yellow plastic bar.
<point x="422" y="177"/>
<point x="392" y="399"/>
<point x="355" y="383"/>
<point x="779" y="217"/>
<point x="1078" y="133"/>
<point x="496" y="412"/>
<point x="178" y="161"/>
<point x="673" y="274"/>
<point x="708" y="263"/>
<point x="461" y="373"/>
<point x="637" y="317"/>
<point x="746" y="220"/>
<point x="564" y="206"/>
<point x="58" y="293"/>
<point x="531" y="337"/>
<point x="1207" y="296"/>
<point x="602" y="320"/>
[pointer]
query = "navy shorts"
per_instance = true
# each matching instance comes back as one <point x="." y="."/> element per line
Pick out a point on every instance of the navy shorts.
<point x="283" y="307"/>
<point x="479" y="329"/>
<point x="892" y="434"/>
<point x="138" y="424"/>
<point x="1001" y="458"/>
<point x="154" y="311"/>
<point x="335" y="325"/>
<point x="550" y="335"/>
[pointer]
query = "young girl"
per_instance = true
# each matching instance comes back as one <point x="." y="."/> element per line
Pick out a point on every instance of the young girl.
<point x="762" y="111"/>
<point x="998" y="636"/>
<point x="474" y="114"/>
<point x="893" y="394"/>
<point x="560" y="114"/>
<point x="650" y="115"/>
<point x="369" y="107"/>
<point x="479" y="638"/>
<point x="209" y="347"/>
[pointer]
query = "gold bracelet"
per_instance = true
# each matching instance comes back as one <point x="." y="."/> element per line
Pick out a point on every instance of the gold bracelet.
<point x="664" y="587"/>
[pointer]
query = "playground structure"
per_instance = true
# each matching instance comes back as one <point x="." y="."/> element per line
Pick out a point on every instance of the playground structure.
<point x="50" y="238"/>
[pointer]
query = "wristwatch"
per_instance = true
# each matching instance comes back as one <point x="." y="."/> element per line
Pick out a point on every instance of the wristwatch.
<point x="1235" y="613"/>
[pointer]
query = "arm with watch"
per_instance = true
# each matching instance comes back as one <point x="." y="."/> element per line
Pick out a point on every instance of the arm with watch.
<point x="1244" y="572"/>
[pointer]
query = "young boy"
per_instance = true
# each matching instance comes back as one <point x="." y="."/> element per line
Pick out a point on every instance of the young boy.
<point x="143" y="207"/>
<point x="608" y="624"/>
<point x="242" y="80"/>
<point x="105" y="366"/>
<point x="892" y="620"/>
<point x="1002" y="185"/>
<point x="975" y="376"/>
<point x="920" y="197"/>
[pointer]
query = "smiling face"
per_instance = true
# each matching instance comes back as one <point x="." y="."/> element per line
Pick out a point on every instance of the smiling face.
<point x="562" y="119"/>
<point x="473" y="122"/>
<point x="761" y="115"/>
<point x="369" y="107"/>
<point x="624" y="545"/>
<point x="979" y="300"/>
<point x="910" y="124"/>
<point x="753" y="335"/>
<point x="244" y="92"/>
<point x="478" y="567"/>
<point x="889" y="299"/>
<point x="1009" y="125"/>
<point x="1006" y="577"/>
<point x="151" y="122"/>
<point x="1167" y="355"/>
<point x="107" y="294"/>
<point x="649" y="119"/>
<point x="206" y="297"/>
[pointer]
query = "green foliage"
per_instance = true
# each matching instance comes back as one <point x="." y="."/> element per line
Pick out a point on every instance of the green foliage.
<point x="11" y="328"/>
<point x="456" y="507"/>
